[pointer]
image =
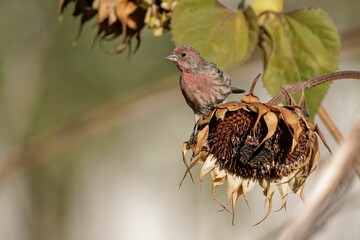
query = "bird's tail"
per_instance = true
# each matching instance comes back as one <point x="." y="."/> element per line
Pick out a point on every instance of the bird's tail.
<point x="237" y="90"/>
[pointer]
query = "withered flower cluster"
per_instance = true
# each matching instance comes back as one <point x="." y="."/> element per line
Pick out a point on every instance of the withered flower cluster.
<point x="123" y="19"/>
<point x="249" y="142"/>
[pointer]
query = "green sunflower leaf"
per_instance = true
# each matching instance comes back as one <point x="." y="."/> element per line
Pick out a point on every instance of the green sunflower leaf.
<point x="223" y="36"/>
<point x="299" y="46"/>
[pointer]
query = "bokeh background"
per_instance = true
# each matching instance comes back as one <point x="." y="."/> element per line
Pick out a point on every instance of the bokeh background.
<point x="90" y="143"/>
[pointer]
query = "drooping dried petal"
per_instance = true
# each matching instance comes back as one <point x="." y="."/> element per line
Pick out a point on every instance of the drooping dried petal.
<point x="208" y="166"/>
<point x="218" y="178"/>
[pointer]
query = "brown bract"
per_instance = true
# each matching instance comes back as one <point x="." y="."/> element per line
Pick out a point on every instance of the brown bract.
<point x="249" y="142"/>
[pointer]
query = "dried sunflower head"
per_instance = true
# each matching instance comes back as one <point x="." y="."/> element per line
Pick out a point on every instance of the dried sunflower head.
<point x="123" y="18"/>
<point x="249" y="142"/>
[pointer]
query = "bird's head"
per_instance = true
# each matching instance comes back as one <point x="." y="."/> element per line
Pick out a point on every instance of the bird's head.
<point x="185" y="57"/>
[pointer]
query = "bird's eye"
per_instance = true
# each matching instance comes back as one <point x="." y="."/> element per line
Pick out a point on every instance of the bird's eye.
<point x="183" y="54"/>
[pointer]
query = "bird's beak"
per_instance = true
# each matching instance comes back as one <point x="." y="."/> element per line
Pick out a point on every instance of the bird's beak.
<point x="172" y="57"/>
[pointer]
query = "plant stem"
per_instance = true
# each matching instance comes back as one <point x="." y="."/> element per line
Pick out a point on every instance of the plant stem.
<point x="335" y="132"/>
<point x="330" y="124"/>
<point x="314" y="82"/>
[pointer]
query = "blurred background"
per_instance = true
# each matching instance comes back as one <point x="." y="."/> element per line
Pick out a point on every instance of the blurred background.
<point x="90" y="143"/>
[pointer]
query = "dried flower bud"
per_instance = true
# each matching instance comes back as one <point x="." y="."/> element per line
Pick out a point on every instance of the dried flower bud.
<point x="116" y="18"/>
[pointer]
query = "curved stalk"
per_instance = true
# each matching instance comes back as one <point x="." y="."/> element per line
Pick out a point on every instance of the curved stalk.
<point x="315" y="82"/>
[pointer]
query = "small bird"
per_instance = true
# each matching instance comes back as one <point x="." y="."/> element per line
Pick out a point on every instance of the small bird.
<point x="202" y="83"/>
